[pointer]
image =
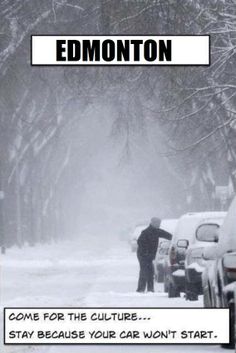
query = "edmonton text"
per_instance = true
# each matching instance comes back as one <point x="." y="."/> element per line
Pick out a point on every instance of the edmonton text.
<point x="114" y="50"/>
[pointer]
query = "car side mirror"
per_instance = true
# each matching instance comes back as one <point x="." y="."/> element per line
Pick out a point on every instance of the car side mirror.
<point x="182" y="243"/>
<point x="208" y="232"/>
<point x="210" y="252"/>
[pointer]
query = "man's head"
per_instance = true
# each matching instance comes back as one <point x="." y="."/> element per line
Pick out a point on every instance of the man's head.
<point x="155" y="222"/>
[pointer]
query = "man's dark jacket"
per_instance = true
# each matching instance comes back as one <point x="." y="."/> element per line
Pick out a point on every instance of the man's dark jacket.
<point x="148" y="242"/>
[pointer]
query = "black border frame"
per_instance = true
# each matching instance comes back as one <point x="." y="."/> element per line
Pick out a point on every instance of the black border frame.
<point x="121" y="35"/>
<point x="113" y="344"/>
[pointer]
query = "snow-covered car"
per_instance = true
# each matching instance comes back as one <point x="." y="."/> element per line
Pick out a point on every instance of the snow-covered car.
<point x="135" y="234"/>
<point x="219" y="275"/>
<point x="160" y="262"/>
<point x="184" y="236"/>
<point x="206" y="235"/>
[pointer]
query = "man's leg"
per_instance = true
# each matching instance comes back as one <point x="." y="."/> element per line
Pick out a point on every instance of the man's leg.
<point x="150" y="277"/>
<point x="142" y="282"/>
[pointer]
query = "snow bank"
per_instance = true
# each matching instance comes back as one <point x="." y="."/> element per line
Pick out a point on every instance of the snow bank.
<point x="179" y="273"/>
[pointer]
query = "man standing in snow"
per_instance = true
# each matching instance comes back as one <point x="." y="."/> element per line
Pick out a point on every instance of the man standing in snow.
<point x="146" y="252"/>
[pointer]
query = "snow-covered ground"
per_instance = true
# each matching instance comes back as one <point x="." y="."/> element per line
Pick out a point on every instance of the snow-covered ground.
<point x="89" y="272"/>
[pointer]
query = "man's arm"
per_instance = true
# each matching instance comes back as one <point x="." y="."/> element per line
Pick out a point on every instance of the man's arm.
<point x="164" y="234"/>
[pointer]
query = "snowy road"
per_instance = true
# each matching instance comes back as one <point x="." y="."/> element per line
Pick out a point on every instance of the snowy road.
<point x="69" y="274"/>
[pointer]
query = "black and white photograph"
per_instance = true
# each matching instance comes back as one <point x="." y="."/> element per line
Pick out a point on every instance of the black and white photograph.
<point x="118" y="164"/>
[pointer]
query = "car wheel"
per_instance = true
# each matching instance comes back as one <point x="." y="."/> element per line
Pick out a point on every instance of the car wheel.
<point x="173" y="291"/>
<point x="190" y="294"/>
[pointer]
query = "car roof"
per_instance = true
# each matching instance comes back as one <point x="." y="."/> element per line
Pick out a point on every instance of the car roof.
<point x="189" y="222"/>
<point x="207" y="214"/>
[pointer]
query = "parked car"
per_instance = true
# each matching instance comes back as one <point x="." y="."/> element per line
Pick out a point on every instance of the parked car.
<point x="206" y="235"/>
<point x="219" y="275"/>
<point x="135" y="234"/>
<point x="184" y="235"/>
<point x="160" y="262"/>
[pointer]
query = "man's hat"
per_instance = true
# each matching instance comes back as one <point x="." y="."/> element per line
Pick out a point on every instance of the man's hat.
<point x="155" y="222"/>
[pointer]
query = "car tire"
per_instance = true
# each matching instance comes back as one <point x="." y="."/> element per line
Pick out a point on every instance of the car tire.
<point x="173" y="291"/>
<point x="160" y="276"/>
<point x="190" y="294"/>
